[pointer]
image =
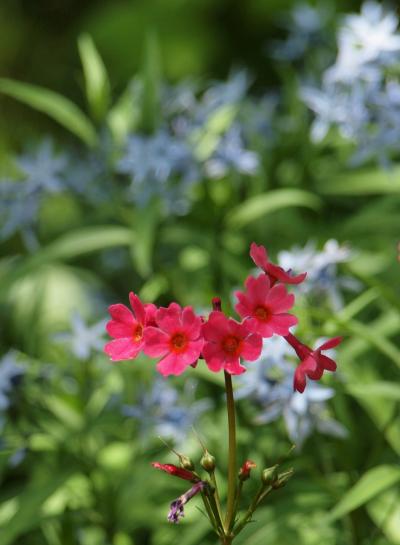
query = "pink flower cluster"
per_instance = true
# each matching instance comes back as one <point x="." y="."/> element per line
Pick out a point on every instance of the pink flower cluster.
<point x="179" y="338"/>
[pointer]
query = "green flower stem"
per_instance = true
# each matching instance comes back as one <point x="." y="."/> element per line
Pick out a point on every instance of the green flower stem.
<point x="262" y="492"/>
<point x="216" y="493"/>
<point x="230" y="404"/>
<point x="237" y="499"/>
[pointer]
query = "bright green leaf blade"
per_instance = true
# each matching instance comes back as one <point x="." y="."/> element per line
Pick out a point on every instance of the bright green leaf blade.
<point x="151" y="84"/>
<point x="96" y="78"/>
<point x="385" y="512"/>
<point x="54" y="105"/>
<point x="368" y="182"/>
<point x="262" y="205"/>
<point x="373" y="482"/>
<point x="386" y="390"/>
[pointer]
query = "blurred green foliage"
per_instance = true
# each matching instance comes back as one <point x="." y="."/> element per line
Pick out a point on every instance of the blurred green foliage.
<point x="85" y="477"/>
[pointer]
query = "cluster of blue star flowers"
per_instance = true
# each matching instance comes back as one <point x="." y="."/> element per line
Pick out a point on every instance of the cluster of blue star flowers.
<point x="268" y="382"/>
<point x="200" y="135"/>
<point x="359" y="94"/>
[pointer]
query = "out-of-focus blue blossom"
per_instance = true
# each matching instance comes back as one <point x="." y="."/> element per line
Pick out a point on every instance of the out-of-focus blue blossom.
<point x="321" y="266"/>
<point x="358" y="95"/>
<point x="165" y="412"/>
<point x="231" y="156"/>
<point x="11" y="373"/>
<point x="83" y="340"/>
<point x="269" y="383"/>
<point x="159" y="165"/>
<point x="42" y="170"/>
<point x="42" y="173"/>
<point x="308" y="28"/>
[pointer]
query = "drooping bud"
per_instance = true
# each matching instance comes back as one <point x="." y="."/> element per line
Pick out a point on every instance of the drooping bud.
<point x="283" y="478"/>
<point x="216" y="303"/>
<point x="207" y="462"/>
<point x="244" y="471"/>
<point x="269" y="475"/>
<point x="177" y="471"/>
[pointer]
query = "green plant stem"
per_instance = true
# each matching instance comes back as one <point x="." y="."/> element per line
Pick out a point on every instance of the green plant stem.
<point x="216" y="493"/>
<point x="230" y="405"/>
<point x="237" y="499"/>
<point x="263" y="491"/>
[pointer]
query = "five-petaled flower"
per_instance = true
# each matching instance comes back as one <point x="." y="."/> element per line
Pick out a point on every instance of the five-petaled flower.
<point x="275" y="273"/>
<point x="176" y="338"/>
<point x="127" y="328"/>
<point x="312" y="362"/>
<point x="226" y="341"/>
<point x="265" y="306"/>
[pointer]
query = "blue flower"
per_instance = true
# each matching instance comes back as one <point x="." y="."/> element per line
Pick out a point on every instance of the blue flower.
<point x="268" y="382"/>
<point x="231" y="155"/>
<point x="83" y="340"/>
<point x="160" y="165"/>
<point x="11" y="373"/>
<point x="161" y="411"/>
<point x="323" y="282"/>
<point x="42" y="173"/>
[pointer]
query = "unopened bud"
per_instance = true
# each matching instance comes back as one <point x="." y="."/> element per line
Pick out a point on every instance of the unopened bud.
<point x="186" y="462"/>
<point x="283" y="478"/>
<point x="244" y="471"/>
<point x="207" y="462"/>
<point x="216" y="303"/>
<point x="269" y="475"/>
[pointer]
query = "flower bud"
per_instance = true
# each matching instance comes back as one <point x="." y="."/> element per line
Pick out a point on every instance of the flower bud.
<point x="269" y="475"/>
<point x="283" y="478"/>
<point x="244" y="471"/>
<point x="207" y="462"/>
<point x="186" y="462"/>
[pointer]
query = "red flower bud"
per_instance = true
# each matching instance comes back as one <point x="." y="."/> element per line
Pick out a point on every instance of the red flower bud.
<point x="177" y="471"/>
<point x="244" y="471"/>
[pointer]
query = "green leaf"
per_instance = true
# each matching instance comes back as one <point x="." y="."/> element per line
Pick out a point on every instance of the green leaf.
<point x="257" y="207"/>
<point x="205" y="140"/>
<point x="385" y="390"/>
<point x="146" y="222"/>
<point x="28" y="515"/>
<point x="365" y="182"/>
<point x="54" y="105"/>
<point x="385" y="512"/>
<point x="151" y="84"/>
<point x="372" y="483"/>
<point x="96" y="79"/>
<point x="125" y="114"/>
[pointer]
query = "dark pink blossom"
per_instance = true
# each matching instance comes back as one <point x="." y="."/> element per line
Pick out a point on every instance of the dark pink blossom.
<point x="226" y="341"/>
<point x="312" y="362"/>
<point x="176" y="338"/>
<point x="127" y="328"/>
<point x="265" y="306"/>
<point x="275" y="273"/>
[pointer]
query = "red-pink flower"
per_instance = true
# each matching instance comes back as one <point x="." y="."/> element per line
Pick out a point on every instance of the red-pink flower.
<point x="275" y="273"/>
<point x="265" y="306"/>
<point x="176" y="338"/>
<point x="312" y="362"/>
<point x="226" y="341"/>
<point x="127" y="328"/>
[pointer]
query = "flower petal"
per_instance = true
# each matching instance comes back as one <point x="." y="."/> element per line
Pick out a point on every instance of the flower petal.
<point x="121" y="313"/>
<point x="122" y="349"/>
<point x="156" y="342"/>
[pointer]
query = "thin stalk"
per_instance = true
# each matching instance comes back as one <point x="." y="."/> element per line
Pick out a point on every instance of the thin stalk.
<point x="263" y="491"/>
<point x="216" y="493"/>
<point x="237" y="499"/>
<point x="230" y="405"/>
